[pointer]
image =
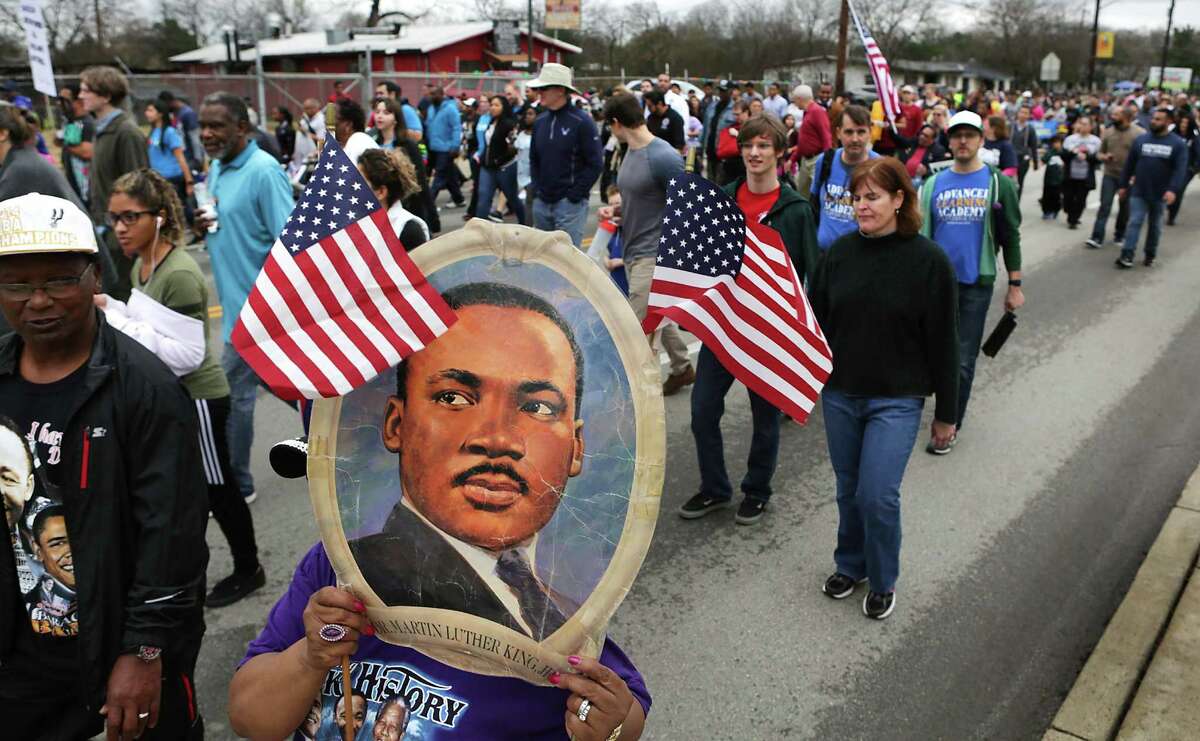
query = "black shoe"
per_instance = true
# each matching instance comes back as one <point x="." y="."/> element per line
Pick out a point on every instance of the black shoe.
<point x="750" y="511"/>
<point x="1094" y="243"/>
<point x="1124" y="263"/>
<point x="878" y="606"/>
<point x="1148" y="262"/>
<point x="234" y="587"/>
<point x="933" y="449"/>
<point x="840" y="586"/>
<point x="289" y="458"/>
<point x="1072" y="226"/>
<point x="701" y="504"/>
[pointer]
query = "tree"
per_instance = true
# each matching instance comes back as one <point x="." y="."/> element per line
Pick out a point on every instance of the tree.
<point x="375" y="15"/>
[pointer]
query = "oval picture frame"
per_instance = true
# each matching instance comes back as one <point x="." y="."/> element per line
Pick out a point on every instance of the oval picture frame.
<point x="467" y="641"/>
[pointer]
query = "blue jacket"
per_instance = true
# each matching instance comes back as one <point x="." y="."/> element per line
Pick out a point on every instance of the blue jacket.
<point x="443" y="127"/>
<point x="1157" y="164"/>
<point x="565" y="156"/>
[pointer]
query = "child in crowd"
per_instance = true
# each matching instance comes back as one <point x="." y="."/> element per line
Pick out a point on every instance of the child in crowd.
<point x="607" y="249"/>
<point x="1052" y="185"/>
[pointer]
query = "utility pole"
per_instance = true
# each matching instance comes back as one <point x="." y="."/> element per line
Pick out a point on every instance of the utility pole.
<point x="839" y="80"/>
<point x="1092" y="56"/>
<point x="529" y="40"/>
<point x="1162" y="70"/>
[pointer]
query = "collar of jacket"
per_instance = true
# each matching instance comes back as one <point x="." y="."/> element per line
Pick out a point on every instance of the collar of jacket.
<point x="786" y="198"/>
<point x="100" y="362"/>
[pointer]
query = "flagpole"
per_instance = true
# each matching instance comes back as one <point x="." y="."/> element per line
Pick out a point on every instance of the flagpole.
<point x="839" y="80"/>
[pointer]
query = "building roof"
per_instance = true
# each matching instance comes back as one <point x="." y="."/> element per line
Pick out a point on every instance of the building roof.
<point x="969" y="69"/>
<point x="422" y="39"/>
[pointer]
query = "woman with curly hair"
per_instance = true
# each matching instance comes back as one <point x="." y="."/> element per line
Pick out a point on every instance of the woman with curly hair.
<point x="393" y="178"/>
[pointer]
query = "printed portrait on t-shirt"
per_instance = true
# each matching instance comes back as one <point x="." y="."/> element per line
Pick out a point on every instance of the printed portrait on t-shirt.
<point x="492" y="473"/>
<point x="37" y="528"/>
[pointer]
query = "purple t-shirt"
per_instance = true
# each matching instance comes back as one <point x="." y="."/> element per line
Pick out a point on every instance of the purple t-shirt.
<point x="443" y="702"/>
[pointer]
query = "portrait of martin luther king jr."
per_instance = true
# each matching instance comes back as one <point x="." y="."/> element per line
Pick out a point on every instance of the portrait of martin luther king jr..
<point x="486" y="424"/>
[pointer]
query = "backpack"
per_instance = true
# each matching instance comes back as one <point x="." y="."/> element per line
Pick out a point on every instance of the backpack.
<point x="819" y="182"/>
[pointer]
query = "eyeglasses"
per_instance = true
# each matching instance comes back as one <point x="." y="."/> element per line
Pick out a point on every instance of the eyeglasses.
<point x="128" y="218"/>
<point x="56" y="288"/>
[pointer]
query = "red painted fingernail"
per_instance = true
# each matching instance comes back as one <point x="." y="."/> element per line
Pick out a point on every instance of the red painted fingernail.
<point x="369" y="630"/>
<point x="359" y="606"/>
<point x="555" y="678"/>
<point x="573" y="660"/>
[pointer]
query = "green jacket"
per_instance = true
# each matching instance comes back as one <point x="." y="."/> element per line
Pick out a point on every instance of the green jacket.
<point x="792" y="216"/>
<point x="1003" y="190"/>
<point x="120" y="148"/>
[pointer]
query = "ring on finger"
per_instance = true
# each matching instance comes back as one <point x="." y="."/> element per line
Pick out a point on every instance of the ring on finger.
<point x="332" y="632"/>
<point x="585" y="707"/>
<point x="143" y="716"/>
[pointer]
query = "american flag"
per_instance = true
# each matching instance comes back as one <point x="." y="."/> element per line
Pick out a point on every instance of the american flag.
<point x="338" y="300"/>
<point x="881" y="72"/>
<point x="730" y="282"/>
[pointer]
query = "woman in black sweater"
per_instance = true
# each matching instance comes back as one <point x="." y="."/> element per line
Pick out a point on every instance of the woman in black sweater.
<point x="390" y="132"/>
<point x="886" y="299"/>
<point x="498" y="164"/>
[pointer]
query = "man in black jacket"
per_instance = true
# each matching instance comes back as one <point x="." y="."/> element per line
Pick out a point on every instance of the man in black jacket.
<point x="664" y="122"/>
<point x="116" y="518"/>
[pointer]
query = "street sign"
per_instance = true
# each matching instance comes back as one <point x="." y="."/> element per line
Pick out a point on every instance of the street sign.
<point x="39" y="48"/>
<point x="563" y="14"/>
<point x="505" y="34"/>
<point x="1051" y="65"/>
<point x="1177" y="78"/>
<point x="1105" y="43"/>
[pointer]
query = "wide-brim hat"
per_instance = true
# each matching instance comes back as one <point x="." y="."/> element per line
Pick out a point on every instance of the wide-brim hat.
<point x="554" y="75"/>
<point x="40" y="224"/>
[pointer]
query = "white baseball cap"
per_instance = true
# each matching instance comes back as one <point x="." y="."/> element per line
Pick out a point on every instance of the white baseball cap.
<point x="40" y="224"/>
<point x="965" y="118"/>
<point x="554" y="74"/>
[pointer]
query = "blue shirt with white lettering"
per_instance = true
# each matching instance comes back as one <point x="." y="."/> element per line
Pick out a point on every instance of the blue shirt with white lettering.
<point x="834" y="199"/>
<point x="958" y="209"/>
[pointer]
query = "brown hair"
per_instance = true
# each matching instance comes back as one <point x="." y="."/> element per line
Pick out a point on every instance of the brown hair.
<point x="889" y="175"/>
<point x="857" y="114"/>
<point x="625" y="109"/>
<point x="762" y="125"/>
<point x="107" y="82"/>
<point x="13" y="121"/>
<point x="390" y="169"/>
<point x="999" y="126"/>
<point x="156" y="194"/>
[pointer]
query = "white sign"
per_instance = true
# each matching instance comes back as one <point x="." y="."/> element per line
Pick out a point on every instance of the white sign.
<point x="1051" y="64"/>
<point x="1178" y="78"/>
<point x="39" y="48"/>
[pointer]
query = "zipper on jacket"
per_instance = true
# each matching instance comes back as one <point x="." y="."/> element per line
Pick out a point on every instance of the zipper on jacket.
<point x="87" y="449"/>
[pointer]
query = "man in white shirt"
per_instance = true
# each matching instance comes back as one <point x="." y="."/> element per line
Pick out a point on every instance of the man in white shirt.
<point x="486" y="445"/>
<point x="677" y="102"/>
<point x="775" y="103"/>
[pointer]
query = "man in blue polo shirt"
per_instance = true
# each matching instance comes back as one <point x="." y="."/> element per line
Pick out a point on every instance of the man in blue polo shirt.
<point x="830" y="191"/>
<point x="443" y="132"/>
<point x="253" y="201"/>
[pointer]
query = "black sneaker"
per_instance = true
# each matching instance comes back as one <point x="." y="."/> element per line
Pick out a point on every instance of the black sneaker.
<point x="1094" y="243"/>
<point x="289" y="458"/>
<point x="878" y="606"/>
<point x="234" y="587"/>
<point x="750" y="511"/>
<point x="840" y="586"/>
<point x="701" y="504"/>
<point x="933" y="449"/>
<point x="1148" y="262"/>
<point x="1124" y="263"/>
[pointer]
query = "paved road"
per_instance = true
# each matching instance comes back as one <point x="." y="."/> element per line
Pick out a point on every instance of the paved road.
<point x="1018" y="546"/>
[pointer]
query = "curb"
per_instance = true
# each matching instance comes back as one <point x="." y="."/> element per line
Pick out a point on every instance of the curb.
<point x="1107" y="688"/>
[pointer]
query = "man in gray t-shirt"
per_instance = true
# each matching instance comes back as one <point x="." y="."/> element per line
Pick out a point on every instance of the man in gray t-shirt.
<point x="645" y="172"/>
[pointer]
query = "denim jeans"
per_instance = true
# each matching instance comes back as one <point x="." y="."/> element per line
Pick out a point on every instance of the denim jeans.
<point x="562" y="214"/>
<point x="1143" y="210"/>
<point x="1108" y="190"/>
<point x="445" y="175"/>
<point x="708" y="404"/>
<point x="504" y="178"/>
<point x="870" y="440"/>
<point x="243" y="391"/>
<point x="973" y="303"/>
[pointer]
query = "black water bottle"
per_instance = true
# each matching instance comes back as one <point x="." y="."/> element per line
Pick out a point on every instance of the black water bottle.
<point x="1000" y="334"/>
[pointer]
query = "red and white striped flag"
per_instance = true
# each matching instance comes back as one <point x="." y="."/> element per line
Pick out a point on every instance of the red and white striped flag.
<point x="730" y="282"/>
<point x="338" y="300"/>
<point x="881" y="72"/>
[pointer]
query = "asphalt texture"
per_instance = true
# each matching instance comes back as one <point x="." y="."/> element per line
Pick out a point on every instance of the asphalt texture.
<point x="1018" y="546"/>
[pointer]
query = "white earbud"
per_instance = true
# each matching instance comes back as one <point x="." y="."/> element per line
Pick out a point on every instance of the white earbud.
<point x="158" y="220"/>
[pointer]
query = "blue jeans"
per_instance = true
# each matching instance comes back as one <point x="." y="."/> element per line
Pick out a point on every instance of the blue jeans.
<point x="243" y="391"/>
<point x="870" y="440"/>
<point x="1143" y="210"/>
<point x="562" y="214"/>
<point x="708" y="404"/>
<point x="1108" y="190"/>
<point x="445" y="175"/>
<point x="506" y="179"/>
<point x="973" y="303"/>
